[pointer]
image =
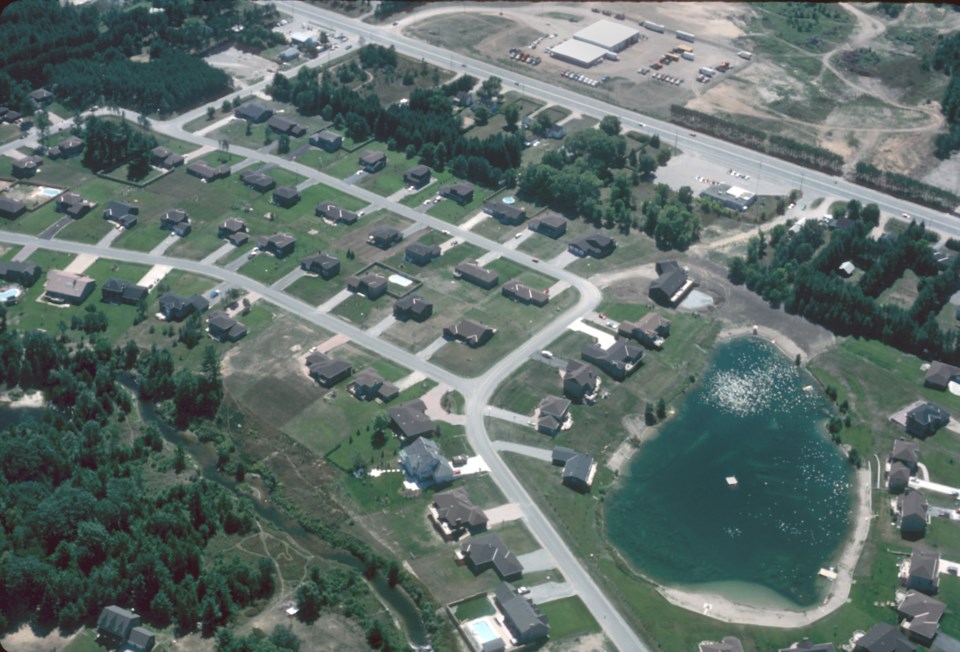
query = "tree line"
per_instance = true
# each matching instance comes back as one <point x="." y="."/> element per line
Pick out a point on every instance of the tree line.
<point x="946" y="59"/>
<point x="905" y="187"/>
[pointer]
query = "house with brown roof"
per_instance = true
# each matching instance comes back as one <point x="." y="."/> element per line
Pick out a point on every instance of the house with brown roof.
<point x="326" y="370"/>
<point x="280" y="245"/>
<point x="470" y="270"/>
<point x="650" y="330"/>
<point x="65" y="287"/>
<point x="234" y="231"/>
<point x="522" y="293"/>
<point x="940" y="374"/>
<point x="912" y="514"/>
<point x="176" y="221"/>
<point x="258" y="181"/>
<point x="581" y="382"/>
<point x="671" y="284"/>
<point x="370" y="285"/>
<point x="372" y="161"/>
<point x="453" y="515"/>
<point x="286" y="126"/>
<point x="208" y="173"/>
<point x="224" y="328"/>
<point x="73" y="205"/>
<point x="552" y="226"/>
<point x="920" y="617"/>
<point x="327" y="140"/>
<point x="70" y="146"/>
<point x="11" y="208"/>
<point x="597" y="245"/>
<point x="618" y="360"/>
<point x="922" y="572"/>
<point x="419" y="253"/>
<point x="417" y="176"/>
<point x="489" y="551"/>
<point x="553" y="413"/>
<point x="409" y="420"/>
<point x="324" y="265"/>
<point x="412" y="307"/>
<point x="20" y="271"/>
<point x="286" y="196"/>
<point x="162" y="157"/>
<point x="509" y="214"/>
<point x="461" y="192"/>
<point x="384" y="237"/>
<point x="473" y="333"/>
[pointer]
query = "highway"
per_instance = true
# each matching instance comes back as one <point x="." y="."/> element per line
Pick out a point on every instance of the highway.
<point x="730" y="155"/>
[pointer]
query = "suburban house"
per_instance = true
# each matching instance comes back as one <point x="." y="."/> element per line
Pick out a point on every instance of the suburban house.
<point x="505" y="213"/>
<point x="727" y="644"/>
<point x="920" y="616"/>
<point x="489" y="551"/>
<point x="177" y="221"/>
<point x="461" y="192"/>
<point x="175" y="307"/>
<point x="423" y="463"/>
<point x="384" y="236"/>
<point x="286" y="196"/>
<point x="330" y="211"/>
<point x="234" y="231"/>
<point x="24" y="168"/>
<point x="553" y="413"/>
<point x="115" y="290"/>
<point x="253" y="113"/>
<point x="326" y="370"/>
<point x="121" y="628"/>
<point x="324" y="265"/>
<point x="522" y="293"/>
<point x="64" y="287"/>
<point x="290" y="54"/>
<point x="410" y="421"/>
<point x="926" y="419"/>
<point x="650" y="330"/>
<point x="472" y="333"/>
<point x="122" y="213"/>
<point x="907" y="453"/>
<point x="287" y="127"/>
<point x="22" y="272"/>
<point x="224" y="328"/>
<point x="883" y="638"/>
<point x="453" y="515"/>
<point x="578" y="472"/>
<point x="41" y="96"/>
<point x="552" y="226"/>
<point x="898" y="478"/>
<point x="280" y="245"/>
<point x="327" y="140"/>
<point x="370" y="285"/>
<point x="412" y="307"/>
<point x="806" y="645"/>
<point x="912" y="514"/>
<point x="421" y="254"/>
<point x="258" y="181"/>
<point x="70" y="146"/>
<point x="671" y="284"/>
<point x="162" y="157"/>
<point x="940" y="374"/>
<point x="597" y="245"/>
<point x="368" y="385"/>
<point x="581" y="382"/>
<point x="11" y="208"/>
<point x="618" y="360"/>
<point x="73" y="205"/>
<point x="520" y="616"/>
<point x="11" y="116"/>
<point x="372" y="161"/>
<point x="470" y="270"/>
<point x="207" y="173"/>
<point x="463" y="99"/>
<point x="417" y="176"/>
<point x="922" y="573"/>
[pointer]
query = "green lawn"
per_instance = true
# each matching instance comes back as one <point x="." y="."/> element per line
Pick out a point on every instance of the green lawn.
<point x="569" y="617"/>
<point x="315" y="291"/>
<point x="475" y="608"/>
<point x="363" y="312"/>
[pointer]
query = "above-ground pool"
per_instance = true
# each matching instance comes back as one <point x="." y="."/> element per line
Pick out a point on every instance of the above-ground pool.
<point x="483" y="632"/>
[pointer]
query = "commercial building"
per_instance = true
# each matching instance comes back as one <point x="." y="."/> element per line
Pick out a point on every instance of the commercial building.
<point x="578" y="52"/>
<point x="608" y="35"/>
<point x="730" y="196"/>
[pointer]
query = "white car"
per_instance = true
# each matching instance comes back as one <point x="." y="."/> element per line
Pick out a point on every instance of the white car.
<point x="517" y="237"/>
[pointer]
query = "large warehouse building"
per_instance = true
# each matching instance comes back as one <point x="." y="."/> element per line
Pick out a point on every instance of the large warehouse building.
<point x="611" y="36"/>
<point x="730" y="196"/>
<point x="578" y="52"/>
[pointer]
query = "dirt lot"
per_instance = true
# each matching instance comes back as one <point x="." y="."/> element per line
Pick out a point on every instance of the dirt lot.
<point x="888" y="118"/>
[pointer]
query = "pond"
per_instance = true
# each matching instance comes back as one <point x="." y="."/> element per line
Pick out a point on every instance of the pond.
<point x="762" y="536"/>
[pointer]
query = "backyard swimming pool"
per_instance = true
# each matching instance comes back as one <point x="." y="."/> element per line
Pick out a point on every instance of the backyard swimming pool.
<point x="10" y="295"/>
<point x="50" y="192"/>
<point x="483" y="632"/>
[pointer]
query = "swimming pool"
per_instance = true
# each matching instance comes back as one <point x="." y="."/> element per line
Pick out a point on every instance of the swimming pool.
<point x="10" y="295"/>
<point x="50" y="192"/>
<point x="483" y="632"/>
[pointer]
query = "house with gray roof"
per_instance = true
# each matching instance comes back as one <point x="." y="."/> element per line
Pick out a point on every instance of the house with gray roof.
<point x="24" y="168"/>
<point x="175" y="307"/>
<point x="326" y="370"/>
<point x="454" y="515"/>
<point x="11" y="208"/>
<point x="224" y="328"/>
<point x="177" y="221"/>
<point x="70" y="146"/>
<point x="73" y="205"/>
<point x="650" y="330"/>
<point x="926" y="419"/>
<point x="368" y="385"/>
<point x="489" y="551"/>
<point x="578" y="472"/>
<point x="370" y="285"/>
<point x="920" y="617"/>
<point x="65" y="287"/>
<point x="923" y="573"/>
<point x="727" y="644"/>
<point x="553" y="413"/>
<point x="117" y="291"/>
<point x="671" y="284"/>
<point x="122" y="213"/>
<point x="115" y="623"/>
<point x="409" y="420"/>
<point x="253" y="112"/>
<point x="912" y="515"/>
<point x="329" y="211"/>
<point x="509" y="214"/>
<point x="461" y="192"/>
<point x="412" y="307"/>
<point x="581" y="382"/>
<point x="423" y="462"/>
<point x="597" y="245"/>
<point x="286" y="196"/>
<point x="20" y="271"/>
<point x="883" y="638"/>
<point x="552" y="225"/>
<point x="417" y="176"/>
<point x="470" y="270"/>
<point x="906" y="452"/>
<point x="898" y="479"/>
<point x="521" y="616"/>
<point x="372" y="161"/>
<point x="140" y="640"/>
<point x="618" y="360"/>
<point x="280" y="245"/>
<point x="234" y="231"/>
<point x="285" y="126"/>
<point x="208" y="173"/>
<point x="384" y="237"/>
<point x="162" y="157"/>
<point x="324" y="265"/>
<point x="561" y="454"/>
<point x="327" y="140"/>
<point x="522" y="293"/>
<point x="472" y="333"/>
<point x="420" y="253"/>
<point x="940" y="374"/>
<point x="258" y="181"/>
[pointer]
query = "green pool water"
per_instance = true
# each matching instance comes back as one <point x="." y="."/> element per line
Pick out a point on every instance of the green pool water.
<point x="674" y="517"/>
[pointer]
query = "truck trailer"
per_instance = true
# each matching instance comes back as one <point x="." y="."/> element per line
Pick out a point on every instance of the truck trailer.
<point x="686" y="36"/>
<point x="653" y="27"/>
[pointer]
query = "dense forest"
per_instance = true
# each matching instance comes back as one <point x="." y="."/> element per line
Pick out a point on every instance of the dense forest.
<point x="85" y="56"/>
<point x="79" y="527"/>
<point x="799" y="271"/>
<point x="946" y="59"/>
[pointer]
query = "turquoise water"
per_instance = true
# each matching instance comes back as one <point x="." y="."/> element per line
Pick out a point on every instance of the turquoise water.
<point x="6" y="295"/>
<point x="483" y="632"/>
<point x="676" y="520"/>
